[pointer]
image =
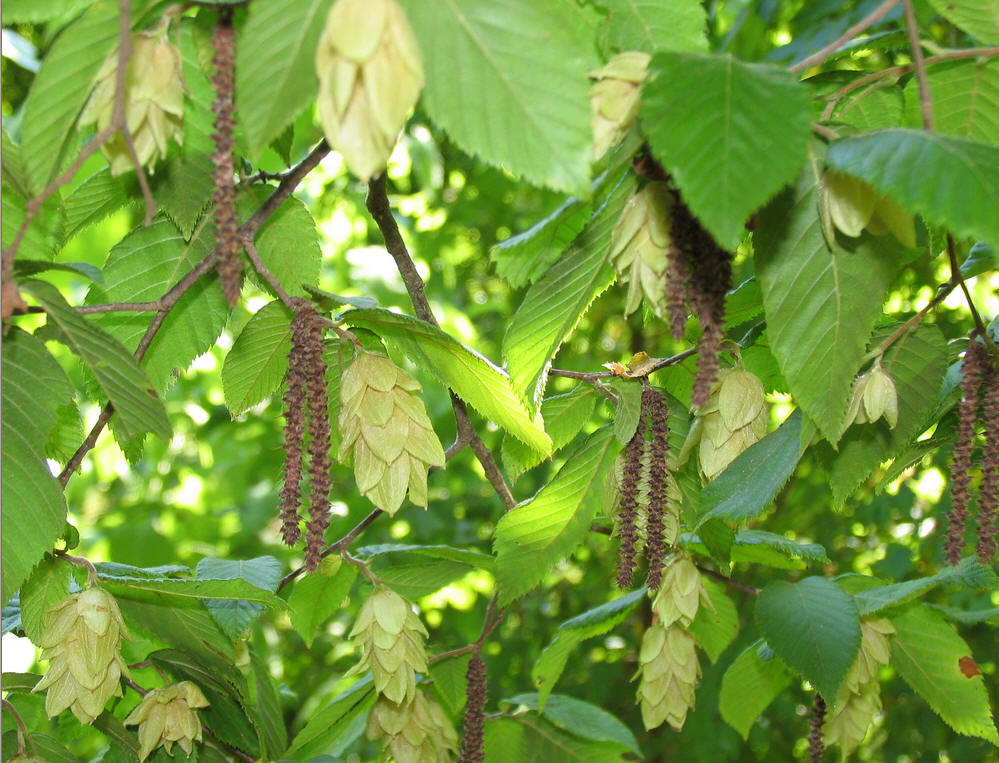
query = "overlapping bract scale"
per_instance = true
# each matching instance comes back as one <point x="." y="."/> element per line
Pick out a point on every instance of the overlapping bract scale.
<point x="639" y="244"/>
<point x="167" y="716"/>
<point x="413" y="732"/>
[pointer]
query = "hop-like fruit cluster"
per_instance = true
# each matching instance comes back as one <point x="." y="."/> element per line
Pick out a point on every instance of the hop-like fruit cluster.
<point x="639" y="244"/>
<point x="615" y="98"/>
<point x="168" y="716"/>
<point x="874" y="396"/>
<point x="859" y="698"/>
<point x="82" y="639"/>
<point x="733" y="418"/>
<point x="852" y="206"/>
<point x="370" y="76"/>
<point x="391" y="639"/>
<point x="386" y="429"/>
<point x="668" y="663"/>
<point x="154" y="101"/>
<point x="413" y="732"/>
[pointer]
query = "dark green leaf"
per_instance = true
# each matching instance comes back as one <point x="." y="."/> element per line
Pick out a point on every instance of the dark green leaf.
<point x="48" y="584"/>
<point x="256" y="364"/>
<point x="332" y="728"/>
<point x="315" y="598"/>
<point x="649" y="26"/>
<point x="235" y="616"/>
<point x="449" y="681"/>
<point x="716" y="626"/>
<point x="579" y="718"/>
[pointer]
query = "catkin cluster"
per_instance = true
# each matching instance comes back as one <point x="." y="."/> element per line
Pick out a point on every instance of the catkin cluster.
<point x="305" y="400"/>
<point x="979" y="401"/>
<point x="476" y="687"/>
<point x="647" y="515"/>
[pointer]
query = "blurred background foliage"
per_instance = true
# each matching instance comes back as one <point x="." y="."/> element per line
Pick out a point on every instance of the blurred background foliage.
<point x="212" y="491"/>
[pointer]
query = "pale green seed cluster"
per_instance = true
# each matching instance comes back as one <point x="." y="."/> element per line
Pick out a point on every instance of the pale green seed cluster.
<point x="853" y="206"/>
<point x="671" y="514"/>
<point x="370" y="76"/>
<point x="154" y="101"/>
<point x="639" y="243"/>
<point x="168" y="716"/>
<point x="413" y="732"/>
<point x="874" y="395"/>
<point x="386" y="430"/>
<point x="615" y="98"/>
<point x="734" y="417"/>
<point x="82" y="641"/>
<point x="668" y="663"/>
<point x="859" y="698"/>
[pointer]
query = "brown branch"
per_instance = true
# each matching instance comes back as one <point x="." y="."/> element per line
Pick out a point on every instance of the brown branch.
<point x="868" y="21"/>
<point x="120" y="307"/>
<point x="956" y="277"/>
<point x="378" y="205"/>
<point x="490" y="623"/>
<point x="919" y="65"/>
<point x="729" y="581"/>
<point x="265" y="273"/>
<point x="292" y="178"/>
<point x="339" y="545"/>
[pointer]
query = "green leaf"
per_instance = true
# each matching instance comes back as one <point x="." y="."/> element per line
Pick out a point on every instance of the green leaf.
<point x="183" y="187"/>
<point x="571" y="633"/>
<point x="555" y="303"/>
<point x="761" y="547"/>
<point x="115" y="730"/>
<point x="532" y="536"/>
<point x="210" y="590"/>
<point x="916" y="362"/>
<point x="749" y="686"/>
<point x="256" y="364"/>
<point x="752" y="137"/>
<point x="965" y="99"/>
<point x="525" y="257"/>
<point x="822" y="300"/>
<point x="951" y="181"/>
<point x="979" y="18"/>
<point x="628" y="410"/>
<point x="180" y="622"/>
<point x="142" y="267"/>
<point x="37" y="11"/>
<point x="37" y="243"/>
<point x="967" y="574"/>
<point x="530" y="739"/>
<point x="813" y="626"/>
<point x="564" y="415"/>
<point x="316" y="596"/>
<point x="267" y="716"/>
<point x="332" y="728"/>
<point x="34" y="508"/>
<point x="61" y="88"/>
<point x="507" y="81"/>
<point x="925" y="651"/>
<point x="276" y="66"/>
<point x="579" y="718"/>
<point x="48" y="748"/>
<point x="649" y="26"/>
<point x="23" y="268"/>
<point x="472" y="377"/>
<point x="48" y="584"/>
<point x="449" y="681"/>
<point x="715" y="628"/>
<point x="235" y="617"/>
<point x="288" y="243"/>
<point x="135" y="402"/>
<point x="750" y="483"/>
<point x="874" y="107"/>
<point x="94" y="199"/>
<point x="415" y="571"/>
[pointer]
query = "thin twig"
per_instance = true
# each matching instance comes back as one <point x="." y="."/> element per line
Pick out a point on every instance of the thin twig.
<point x="868" y="21"/>
<point x="490" y="623"/>
<point x="919" y="65"/>
<point x="362" y="566"/>
<point x="729" y="581"/>
<point x="824" y="132"/>
<point x="339" y="545"/>
<point x="265" y="273"/>
<point x="292" y="178"/>
<point x="955" y="275"/>
<point x="120" y="307"/>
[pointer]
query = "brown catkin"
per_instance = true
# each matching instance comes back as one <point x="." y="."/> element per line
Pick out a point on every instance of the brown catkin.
<point x="226" y="225"/>
<point x="816" y="746"/>
<point x="628" y="506"/>
<point x="972" y="370"/>
<point x="319" y="445"/>
<point x="295" y="397"/>
<point x="988" y="494"/>
<point x="655" y="547"/>
<point x="476" y="691"/>
<point x="677" y="288"/>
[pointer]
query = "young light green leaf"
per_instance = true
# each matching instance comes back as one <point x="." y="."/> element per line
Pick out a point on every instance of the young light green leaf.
<point x="729" y="166"/>
<point x="979" y="18"/>
<point x="926" y="650"/>
<point x="34" y="509"/>
<point x="813" y="626"/>
<point x="749" y="686"/>
<point x="558" y="300"/>
<point x="508" y="83"/>
<point x="235" y="616"/>
<point x="916" y="363"/>
<point x="716" y="626"/>
<point x="578" y="717"/>
<point x="94" y="199"/>
<point x="141" y="268"/>
<point x="37" y="242"/>
<point x="951" y="181"/>
<point x="316" y="596"/>
<point x="650" y="26"/>
<point x="826" y="301"/>
<point x="60" y="90"/>
<point x="48" y="584"/>
<point x="257" y="362"/>
<point x="750" y="483"/>
<point x="449" y="681"/>
<point x="965" y="98"/>
<point x="571" y="633"/>
<point x="531" y="537"/>
<point x="472" y="377"/>
<point x="628" y="410"/>
<point x="276" y="66"/>
<point x="288" y="243"/>
<point x="333" y="727"/>
<point x="564" y="415"/>
<point x="37" y="11"/>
